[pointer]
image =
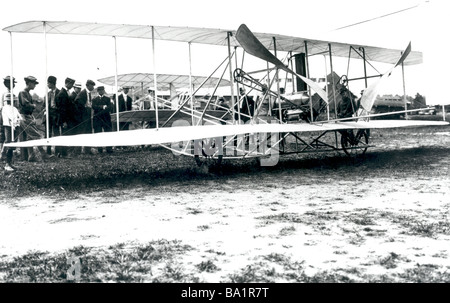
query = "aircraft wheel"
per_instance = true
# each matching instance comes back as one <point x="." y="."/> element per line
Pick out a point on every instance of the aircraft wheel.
<point x="354" y="144"/>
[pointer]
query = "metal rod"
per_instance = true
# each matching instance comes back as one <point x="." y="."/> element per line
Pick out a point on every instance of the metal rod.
<point x="374" y="115"/>
<point x="11" y="83"/>
<point x="361" y="78"/>
<point x="231" y="73"/>
<point x="307" y="75"/>
<point x="292" y="75"/>
<point x="365" y="66"/>
<point x="332" y="81"/>
<point x="142" y="92"/>
<point x="155" y="81"/>
<point x="404" y="90"/>
<point x="334" y="92"/>
<point x="261" y="70"/>
<point x="269" y="85"/>
<point x="267" y="93"/>
<point x="191" y="85"/>
<point x="237" y="88"/>
<point x="326" y="86"/>
<point x="280" y="114"/>
<point x="363" y="57"/>
<point x="349" y="56"/>
<point x="47" y="122"/>
<point x="185" y="101"/>
<point x="116" y="84"/>
<point x="210" y="98"/>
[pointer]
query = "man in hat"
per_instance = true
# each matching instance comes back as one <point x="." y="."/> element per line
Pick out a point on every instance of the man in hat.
<point x="247" y="108"/>
<point x="102" y="107"/>
<point x="76" y="90"/>
<point x="7" y="83"/>
<point x="83" y="102"/>
<point x="125" y="104"/>
<point x="7" y="96"/>
<point x="76" y="114"/>
<point x="53" y="123"/>
<point x="66" y="111"/>
<point x="11" y="121"/>
<point x="28" y="128"/>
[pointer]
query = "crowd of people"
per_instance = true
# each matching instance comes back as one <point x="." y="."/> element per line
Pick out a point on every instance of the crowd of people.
<point x="71" y="110"/>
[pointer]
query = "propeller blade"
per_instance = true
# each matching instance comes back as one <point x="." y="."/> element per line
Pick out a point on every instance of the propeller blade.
<point x="253" y="46"/>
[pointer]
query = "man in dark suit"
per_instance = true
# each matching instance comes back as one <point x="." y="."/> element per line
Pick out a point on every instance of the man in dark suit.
<point x="102" y="107"/>
<point x="247" y="108"/>
<point x="83" y="102"/>
<point x="125" y="104"/>
<point x="66" y="111"/>
<point x="53" y="123"/>
<point x="77" y="115"/>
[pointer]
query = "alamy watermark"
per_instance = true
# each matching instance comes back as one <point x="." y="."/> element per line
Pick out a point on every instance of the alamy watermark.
<point x="74" y="272"/>
<point x="263" y="145"/>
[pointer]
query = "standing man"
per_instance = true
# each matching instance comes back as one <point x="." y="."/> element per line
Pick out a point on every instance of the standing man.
<point x="7" y="83"/>
<point x="66" y="111"/>
<point x="11" y="120"/>
<point x="83" y="102"/>
<point x="76" y="90"/>
<point x="76" y="114"/>
<point x="5" y="97"/>
<point x="125" y="104"/>
<point x="102" y="107"/>
<point x="247" y="107"/>
<point x="53" y="124"/>
<point x="28" y="127"/>
<point x="76" y="110"/>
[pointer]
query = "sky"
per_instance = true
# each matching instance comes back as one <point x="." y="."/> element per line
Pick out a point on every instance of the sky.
<point x="83" y="57"/>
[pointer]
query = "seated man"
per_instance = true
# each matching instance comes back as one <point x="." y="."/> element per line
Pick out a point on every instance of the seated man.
<point x="347" y="106"/>
<point x="346" y="109"/>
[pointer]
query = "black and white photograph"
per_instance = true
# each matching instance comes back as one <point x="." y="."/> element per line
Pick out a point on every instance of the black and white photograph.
<point x="223" y="142"/>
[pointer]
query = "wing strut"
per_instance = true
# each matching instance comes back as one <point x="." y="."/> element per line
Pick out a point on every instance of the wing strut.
<point x="253" y="46"/>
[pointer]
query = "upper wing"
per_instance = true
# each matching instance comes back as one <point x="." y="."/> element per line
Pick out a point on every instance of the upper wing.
<point x="210" y="36"/>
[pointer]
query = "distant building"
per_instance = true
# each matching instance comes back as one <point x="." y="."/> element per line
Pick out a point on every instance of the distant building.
<point x="389" y="103"/>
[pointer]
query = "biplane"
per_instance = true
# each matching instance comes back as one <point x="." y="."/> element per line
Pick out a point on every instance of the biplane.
<point x="303" y="121"/>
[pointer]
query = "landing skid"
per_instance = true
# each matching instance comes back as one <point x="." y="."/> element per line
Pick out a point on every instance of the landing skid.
<point x="211" y="152"/>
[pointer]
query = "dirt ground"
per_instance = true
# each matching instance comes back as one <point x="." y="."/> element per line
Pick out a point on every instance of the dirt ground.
<point x="314" y="218"/>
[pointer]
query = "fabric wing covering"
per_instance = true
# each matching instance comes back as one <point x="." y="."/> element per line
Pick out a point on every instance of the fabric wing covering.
<point x="209" y="36"/>
<point x="178" y="134"/>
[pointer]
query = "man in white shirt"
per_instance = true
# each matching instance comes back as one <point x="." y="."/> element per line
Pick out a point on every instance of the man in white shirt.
<point x="11" y="120"/>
